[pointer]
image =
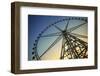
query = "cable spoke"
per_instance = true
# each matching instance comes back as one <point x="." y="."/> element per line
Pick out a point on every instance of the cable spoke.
<point x="75" y="27"/>
<point x="58" y="28"/>
<point x="58" y="39"/>
<point x="67" y="25"/>
<point x="52" y="34"/>
<point x="78" y="35"/>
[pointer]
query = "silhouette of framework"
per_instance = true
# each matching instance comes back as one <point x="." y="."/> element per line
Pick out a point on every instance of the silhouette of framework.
<point x="72" y="46"/>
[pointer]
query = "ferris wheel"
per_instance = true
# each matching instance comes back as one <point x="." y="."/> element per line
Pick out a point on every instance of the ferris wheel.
<point x="63" y="39"/>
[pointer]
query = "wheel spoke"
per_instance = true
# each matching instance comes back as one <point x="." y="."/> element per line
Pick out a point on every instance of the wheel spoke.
<point x="75" y="27"/>
<point x="58" y="39"/>
<point x="52" y="34"/>
<point x="58" y="28"/>
<point x="67" y="25"/>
